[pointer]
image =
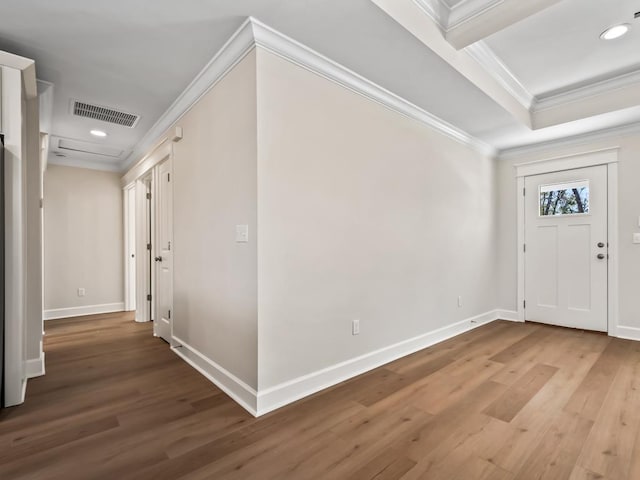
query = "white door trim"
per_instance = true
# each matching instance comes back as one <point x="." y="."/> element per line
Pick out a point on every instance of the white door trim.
<point x="608" y="157"/>
<point x="129" y="210"/>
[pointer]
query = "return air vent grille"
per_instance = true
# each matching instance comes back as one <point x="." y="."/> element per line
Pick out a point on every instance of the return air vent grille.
<point x="104" y="114"/>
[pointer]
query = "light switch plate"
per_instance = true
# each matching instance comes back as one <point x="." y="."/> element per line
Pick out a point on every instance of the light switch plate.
<point x="242" y="233"/>
<point x="636" y="238"/>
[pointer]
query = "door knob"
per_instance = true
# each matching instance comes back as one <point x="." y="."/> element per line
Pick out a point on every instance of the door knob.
<point x="158" y="259"/>
<point x="601" y="256"/>
<point x="600" y="245"/>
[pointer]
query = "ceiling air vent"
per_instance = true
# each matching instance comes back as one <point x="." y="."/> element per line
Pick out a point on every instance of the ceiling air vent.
<point x="104" y="114"/>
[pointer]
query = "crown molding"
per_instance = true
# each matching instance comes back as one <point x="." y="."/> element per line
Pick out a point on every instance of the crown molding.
<point x="253" y="33"/>
<point x="585" y="91"/>
<point x="293" y="51"/>
<point x="437" y="10"/>
<point x="572" y="141"/>
<point x="469" y="9"/>
<point x="85" y="163"/>
<point x="231" y="53"/>
<point x="449" y="18"/>
<point x="488" y="60"/>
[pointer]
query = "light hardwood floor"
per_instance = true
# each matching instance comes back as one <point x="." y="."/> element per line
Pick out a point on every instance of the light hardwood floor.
<point x="506" y="401"/>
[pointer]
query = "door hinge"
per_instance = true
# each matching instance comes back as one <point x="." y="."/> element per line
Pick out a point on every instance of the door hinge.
<point x="149" y="297"/>
<point x="523" y="191"/>
<point x="524" y="304"/>
<point x="169" y="246"/>
<point x="148" y="246"/>
<point x="169" y="314"/>
<point x="524" y="247"/>
<point x="148" y="196"/>
<point x="168" y="177"/>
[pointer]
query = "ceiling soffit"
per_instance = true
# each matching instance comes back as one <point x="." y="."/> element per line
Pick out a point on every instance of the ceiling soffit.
<point x="433" y="22"/>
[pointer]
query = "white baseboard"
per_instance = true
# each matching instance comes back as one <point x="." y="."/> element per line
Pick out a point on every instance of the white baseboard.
<point x="629" y="333"/>
<point x="288" y="392"/>
<point x="510" y="315"/>
<point x="82" y="311"/>
<point x="35" y="367"/>
<point x="242" y="393"/>
<point x="265" y="401"/>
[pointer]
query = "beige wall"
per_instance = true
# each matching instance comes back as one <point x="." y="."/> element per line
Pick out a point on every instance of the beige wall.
<point x="363" y="214"/>
<point x="83" y="223"/>
<point x="34" y="232"/>
<point x="215" y="278"/>
<point x="628" y="213"/>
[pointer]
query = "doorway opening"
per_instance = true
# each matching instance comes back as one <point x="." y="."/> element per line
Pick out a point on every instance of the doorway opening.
<point x="567" y="241"/>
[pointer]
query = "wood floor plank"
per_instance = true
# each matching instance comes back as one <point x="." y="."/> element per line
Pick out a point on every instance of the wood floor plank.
<point x="509" y="404"/>
<point x="610" y="446"/>
<point x="554" y="457"/>
<point x="533" y="340"/>
<point x="391" y="465"/>
<point x="588" y="398"/>
<point x="117" y="403"/>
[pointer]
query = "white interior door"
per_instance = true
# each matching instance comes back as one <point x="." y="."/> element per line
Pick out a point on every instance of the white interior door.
<point x="566" y="248"/>
<point x="164" y="255"/>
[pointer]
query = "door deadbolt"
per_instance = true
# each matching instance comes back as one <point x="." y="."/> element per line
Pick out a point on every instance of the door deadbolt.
<point x="600" y="245"/>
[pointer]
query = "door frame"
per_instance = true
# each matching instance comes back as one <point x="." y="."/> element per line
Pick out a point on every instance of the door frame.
<point x="608" y="157"/>
<point x="129" y="207"/>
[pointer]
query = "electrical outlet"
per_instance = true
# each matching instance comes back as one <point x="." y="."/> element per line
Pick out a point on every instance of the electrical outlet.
<point x="459" y="301"/>
<point x="242" y="233"/>
<point x="81" y="292"/>
<point x="355" y="327"/>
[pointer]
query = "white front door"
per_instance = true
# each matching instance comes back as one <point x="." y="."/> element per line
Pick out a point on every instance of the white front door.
<point x="164" y="254"/>
<point x="566" y="248"/>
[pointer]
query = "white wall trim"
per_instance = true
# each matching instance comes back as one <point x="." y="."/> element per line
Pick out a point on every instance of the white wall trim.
<point x="129" y="217"/>
<point x="82" y="311"/>
<point x="466" y="10"/>
<point x="280" y="395"/>
<point x="568" y="162"/>
<point x="303" y="56"/>
<point x="614" y="250"/>
<point x="35" y="367"/>
<point x="87" y="163"/>
<point x="628" y="333"/>
<point x="231" y="53"/>
<point x="253" y="32"/>
<point x="267" y="400"/>
<point x="436" y="10"/>
<point x="572" y="141"/>
<point x="585" y="91"/>
<point x="608" y="157"/>
<point x="510" y="315"/>
<point x="238" y="390"/>
<point x="487" y="58"/>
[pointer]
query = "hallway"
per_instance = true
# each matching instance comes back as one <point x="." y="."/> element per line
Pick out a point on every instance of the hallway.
<point x="505" y="401"/>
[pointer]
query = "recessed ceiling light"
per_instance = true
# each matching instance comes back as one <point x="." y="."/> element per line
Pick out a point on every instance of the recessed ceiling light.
<point x="615" y="32"/>
<point x="98" y="133"/>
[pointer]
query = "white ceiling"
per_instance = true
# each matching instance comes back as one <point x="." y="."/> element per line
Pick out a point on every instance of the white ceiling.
<point x="139" y="56"/>
<point x="559" y="48"/>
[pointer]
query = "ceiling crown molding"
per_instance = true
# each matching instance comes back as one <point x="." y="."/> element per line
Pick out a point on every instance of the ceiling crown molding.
<point x="468" y="9"/>
<point x="231" y="53"/>
<point x="451" y="17"/>
<point x="253" y="33"/>
<point x="437" y="10"/>
<point x="482" y="54"/>
<point x="585" y="91"/>
<point x="572" y="141"/>
<point x="293" y="51"/>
